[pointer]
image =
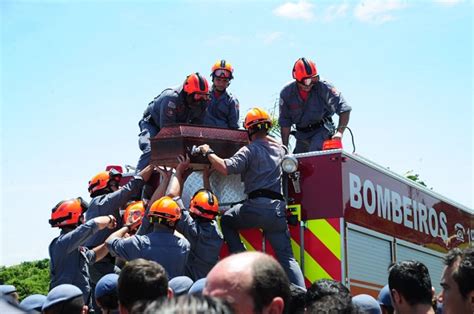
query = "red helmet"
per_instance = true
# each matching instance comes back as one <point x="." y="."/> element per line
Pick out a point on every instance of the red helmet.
<point x="257" y="117"/>
<point x="204" y="203"/>
<point x="165" y="208"/>
<point x="68" y="213"/>
<point x="304" y="69"/>
<point x="196" y="84"/>
<point x="102" y="180"/>
<point x="134" y="209"/>
<point x="222" y="69"/>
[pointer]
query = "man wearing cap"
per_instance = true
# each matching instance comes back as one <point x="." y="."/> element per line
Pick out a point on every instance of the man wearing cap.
<point x="183" y="104"/>
<point x="33" y="302"/>
<point x="366" y="304"/>
<point x="180" y="285"/>
<point x="106" y="295"/>
<point x="384" y="300"/>
<point x="9" y="292"/>
<point x="64" y="298"/>
<point x="309" y="103"/>
<point x="223" y="108"/>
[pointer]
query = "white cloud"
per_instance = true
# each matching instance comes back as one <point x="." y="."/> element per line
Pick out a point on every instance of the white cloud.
<point x="448" y="3"/>
<point x="270" y="37"/>
<point x="295" y="10"/>
<point x="335" y="11"/>
<point x="378" y="11"/>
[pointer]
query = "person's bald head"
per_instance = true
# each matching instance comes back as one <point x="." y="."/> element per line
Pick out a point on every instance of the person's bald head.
<point x="250" y="281"/>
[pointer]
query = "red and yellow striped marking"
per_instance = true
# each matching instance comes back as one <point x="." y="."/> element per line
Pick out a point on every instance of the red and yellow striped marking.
<point x="322" y="246"/>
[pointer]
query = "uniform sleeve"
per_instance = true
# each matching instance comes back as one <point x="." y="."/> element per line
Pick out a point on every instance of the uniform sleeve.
<point x="333" y="98"/>
<point x="234" y="114"/>
<point x="91" y="256"/>
<point x="188" y="227"/>
<point x="239" y="162"/>
<point x="76" y="238"/>
<point x="111" y="203"/>
<point x="127" y="249"/>
<point x="284" y="119"/>
<point x="167" y="112"/>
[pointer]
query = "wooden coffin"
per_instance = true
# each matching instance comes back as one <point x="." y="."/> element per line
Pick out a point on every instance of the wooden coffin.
<point x="179" y="139"/>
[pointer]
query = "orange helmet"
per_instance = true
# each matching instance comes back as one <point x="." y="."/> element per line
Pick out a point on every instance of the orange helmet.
<point x="102" y="180"/>
<point x="204" y="203"/>
<point x="257" y="117"/>
<point x="134" y="209"/>
<point x="165" y="208"/>
<point x="68" y="213"/>
<point x="303" y="69"/>
<point x="196" y="83"/>
<point x="222" y="69"/>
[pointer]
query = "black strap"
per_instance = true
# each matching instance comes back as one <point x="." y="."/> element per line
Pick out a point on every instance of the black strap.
<point x="266" y="193"/>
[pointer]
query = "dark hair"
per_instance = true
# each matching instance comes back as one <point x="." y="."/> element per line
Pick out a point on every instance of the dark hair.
<point x="464" y="274"/>
<point x="108" y="301"/>
<point x="296" y="304"/>
<point x="328" y="296"/>
<point x="72" y="306"/>
<point x="269" y="280"/>
<point x="412" y="280"/>
<point x="189" y="303"/>
<point x="141" y="279"/>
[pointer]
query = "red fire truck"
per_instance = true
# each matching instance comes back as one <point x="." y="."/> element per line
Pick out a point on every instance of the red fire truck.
<point x="352" y="218"/>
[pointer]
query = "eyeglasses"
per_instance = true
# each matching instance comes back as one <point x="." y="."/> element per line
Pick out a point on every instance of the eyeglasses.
<point x="309" y="80"/>
<point x="200" y="97"/>
<point x="222" y="73"/>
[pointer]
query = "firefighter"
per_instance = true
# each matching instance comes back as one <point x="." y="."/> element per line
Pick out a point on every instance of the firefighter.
<point x="183" y="104"/>
<point x="198" y="223"/>
<point x="161" y="245"/>
<point x="259" y="165"/>
<point x="70" y="260"/>
<point x="309" y="103"/>
<point x="107" y="199"/>
<point x="222" y="108"/>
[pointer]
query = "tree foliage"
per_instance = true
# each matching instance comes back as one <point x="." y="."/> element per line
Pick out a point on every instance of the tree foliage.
<point x="415" y="177"/>
<point x="28" y="277"/>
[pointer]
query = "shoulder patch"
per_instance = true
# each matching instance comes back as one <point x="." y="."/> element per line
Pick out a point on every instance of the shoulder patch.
<point x="171" y="105"/>
<point x="170" y="112"/>
<point x="335" y="91"/>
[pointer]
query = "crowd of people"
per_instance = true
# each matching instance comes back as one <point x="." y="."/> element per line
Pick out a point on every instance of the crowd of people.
<point x="135" y="250"/>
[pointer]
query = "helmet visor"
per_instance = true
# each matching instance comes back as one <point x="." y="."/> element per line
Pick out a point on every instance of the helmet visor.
<point x="223" y="73"/>
<point x="309" y="80"/>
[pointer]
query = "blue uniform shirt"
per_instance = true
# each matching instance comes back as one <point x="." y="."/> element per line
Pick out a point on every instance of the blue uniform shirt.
<point x="206" y="242"/>
<point x="324" y="100"/>
<point x="109" y="204"/>
<point x="161" y="246"/>
<point x="222" y="111"/>
<point x="70" y="260"/>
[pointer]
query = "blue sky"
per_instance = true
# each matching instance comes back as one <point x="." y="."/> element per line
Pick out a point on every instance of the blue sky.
<point x="77" y="75"/>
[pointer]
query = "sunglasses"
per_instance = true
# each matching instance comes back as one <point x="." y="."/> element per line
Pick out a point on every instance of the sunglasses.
<point x="222" y="73"/>
<point x="309" y="80"/>
<point x="200" y="97"/>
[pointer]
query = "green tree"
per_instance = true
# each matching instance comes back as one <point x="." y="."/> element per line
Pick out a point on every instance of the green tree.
<point x="414" y="177"/>
<point x="28" y="277"/>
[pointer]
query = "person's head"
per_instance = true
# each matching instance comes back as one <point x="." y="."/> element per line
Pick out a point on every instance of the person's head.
<point x="196" y="304"/>
<point x="252" y="282"/>
<point x="64" y="299"/>
<point x="33" y="302"/>
<point x="106" y="295"/>
<point x="296" y="305"/>
<point x="385" y="301"/>
<point x="305" y="73"/>
<point x="364" y="303"/>
<point x="133" y="210"/>
<point x="457" y="281"/>
<point x="198" y="286"/>
<point x="410" y="285"/>
<point x="196" y="90"/>
<point x="257" y="122"/>
<point x="180" y="285"/>
<point x="143" y="280"/>
<point x="104" y="182"/>
<point x="204" y="204"/>
<point x="10" y="293"/>
<point x="68" y="213"/>
<point x="221" y="73"/>
<point x="165" y="211"/>
<point x="328" y="296"/>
